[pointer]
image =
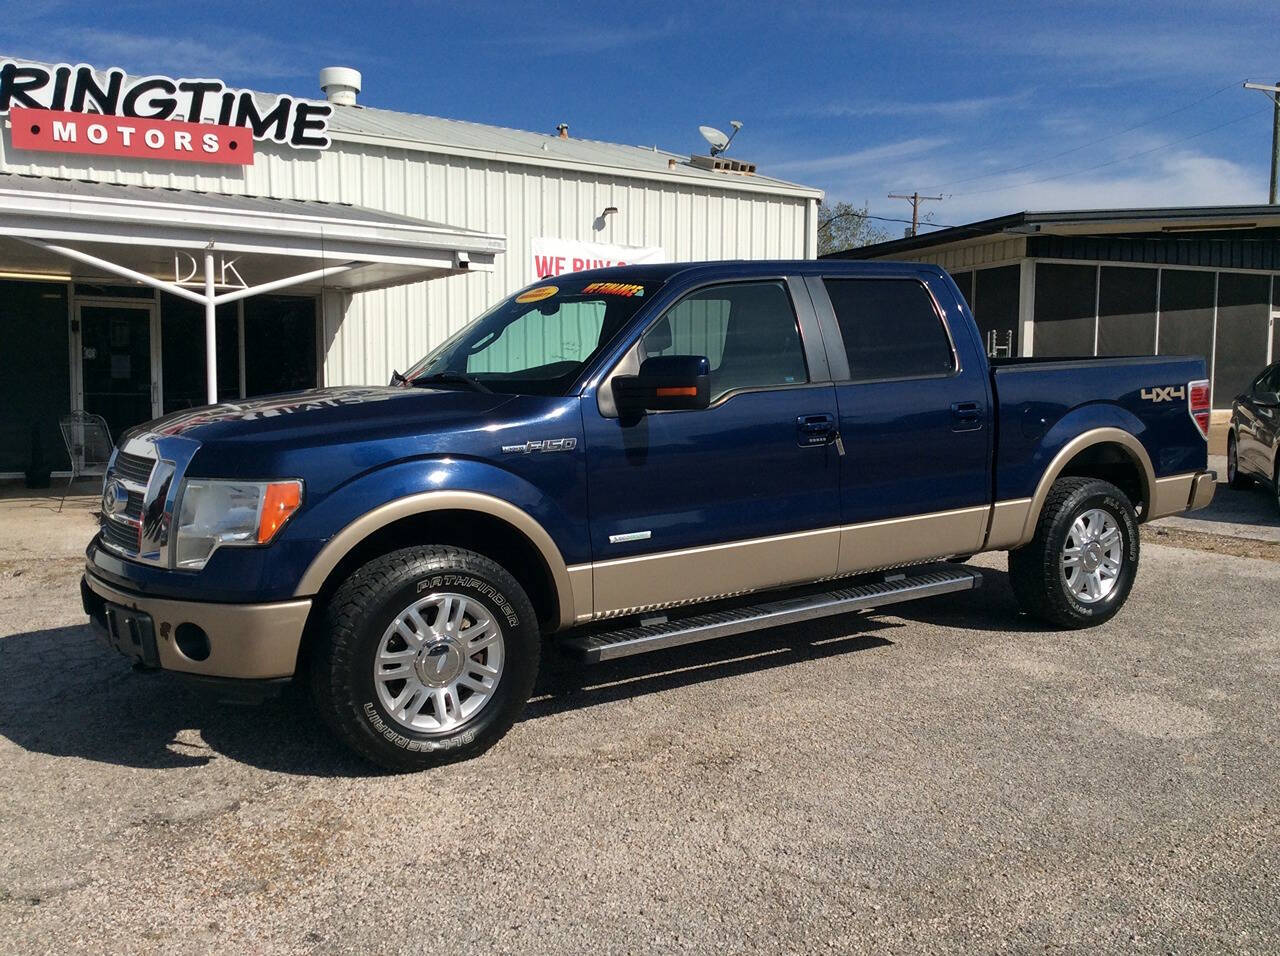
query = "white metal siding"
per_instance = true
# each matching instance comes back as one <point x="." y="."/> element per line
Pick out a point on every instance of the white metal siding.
<point x="392" y="328"/>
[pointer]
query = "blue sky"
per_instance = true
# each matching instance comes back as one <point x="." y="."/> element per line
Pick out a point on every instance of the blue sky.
<point x="998" y="106"/>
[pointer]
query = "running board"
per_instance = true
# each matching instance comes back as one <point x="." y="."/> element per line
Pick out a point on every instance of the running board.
<point x="909" y="584"/>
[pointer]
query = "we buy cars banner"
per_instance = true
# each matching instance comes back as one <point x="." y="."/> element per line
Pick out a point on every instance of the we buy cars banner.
<point x="555" y="257"/>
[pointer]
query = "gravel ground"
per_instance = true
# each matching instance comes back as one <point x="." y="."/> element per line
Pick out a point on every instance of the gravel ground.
<point x="944" y="778"/>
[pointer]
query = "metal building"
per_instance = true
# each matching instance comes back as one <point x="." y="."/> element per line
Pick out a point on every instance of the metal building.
<point x="1200" y="281"/>
<point x="322" y="265"/>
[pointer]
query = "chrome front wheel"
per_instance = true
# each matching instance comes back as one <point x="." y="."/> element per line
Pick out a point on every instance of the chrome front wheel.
<point x="1092" y="556"/>
<point x="439" y="663"/>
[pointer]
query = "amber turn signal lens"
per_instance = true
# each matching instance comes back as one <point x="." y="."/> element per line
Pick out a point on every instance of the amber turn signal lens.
<point x="280" y="501"/>
<point x="687" y="391"/>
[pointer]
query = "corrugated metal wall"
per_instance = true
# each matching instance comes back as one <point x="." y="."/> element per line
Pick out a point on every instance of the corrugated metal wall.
<point x="366" y="335"/>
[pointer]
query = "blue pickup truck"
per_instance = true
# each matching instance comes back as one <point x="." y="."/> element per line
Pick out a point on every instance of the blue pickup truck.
<point x="625" y="460"/>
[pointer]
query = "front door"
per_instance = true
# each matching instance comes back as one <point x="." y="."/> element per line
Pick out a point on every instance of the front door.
<point x="117" y="378"/>
<point x="736" y="497"/>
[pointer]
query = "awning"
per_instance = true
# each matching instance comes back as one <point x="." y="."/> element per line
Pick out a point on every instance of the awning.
<point x="213" y="248"/>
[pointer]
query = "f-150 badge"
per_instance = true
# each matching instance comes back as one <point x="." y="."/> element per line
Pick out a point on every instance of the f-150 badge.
<point x="547" y="444"/>
<point x="1166" y="394"/>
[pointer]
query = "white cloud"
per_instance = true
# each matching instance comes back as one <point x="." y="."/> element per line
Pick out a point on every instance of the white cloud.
<point x="859" y="158"/>
<point x="237" y="56"/>
<point x="585" y="39"/>
<point x="946" y="109"/>
<point x="1173" y="178"/>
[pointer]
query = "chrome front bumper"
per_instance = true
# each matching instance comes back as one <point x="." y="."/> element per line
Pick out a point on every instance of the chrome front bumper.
<point x="244" y="641"/>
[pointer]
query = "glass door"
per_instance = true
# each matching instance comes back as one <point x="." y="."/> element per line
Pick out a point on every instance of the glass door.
<point x="117" y="343"/>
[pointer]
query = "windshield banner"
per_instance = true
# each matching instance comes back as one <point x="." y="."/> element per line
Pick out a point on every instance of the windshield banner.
<point x="555" y="257"/>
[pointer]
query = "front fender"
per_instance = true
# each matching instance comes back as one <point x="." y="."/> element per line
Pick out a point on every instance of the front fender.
<point x="374" y="500"/>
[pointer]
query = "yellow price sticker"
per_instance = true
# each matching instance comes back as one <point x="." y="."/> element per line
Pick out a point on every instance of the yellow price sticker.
<point x="537" y="294"/>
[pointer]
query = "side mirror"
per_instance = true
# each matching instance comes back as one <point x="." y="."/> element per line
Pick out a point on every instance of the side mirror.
<point x="665" y="383"/>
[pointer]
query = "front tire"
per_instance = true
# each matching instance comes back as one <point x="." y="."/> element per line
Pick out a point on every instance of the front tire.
<point x="425" y="656"/>
<point x="1234" y="478"/>
<point x="1079" y="568"/>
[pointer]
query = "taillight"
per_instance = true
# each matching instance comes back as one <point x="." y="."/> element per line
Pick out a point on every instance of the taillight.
<point x="1198" y="405"/>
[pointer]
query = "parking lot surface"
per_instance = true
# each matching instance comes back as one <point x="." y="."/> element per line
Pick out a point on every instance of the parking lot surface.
<point x="937" y="777"/>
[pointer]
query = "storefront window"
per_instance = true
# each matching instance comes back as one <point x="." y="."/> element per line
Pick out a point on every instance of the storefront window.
<point x="183" y="355"/>
<point x="35" y="391"/>
<point x="279" y="344"/>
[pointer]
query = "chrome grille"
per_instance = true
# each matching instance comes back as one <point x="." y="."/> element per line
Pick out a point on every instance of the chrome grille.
<point x="120" y="536"/>
<point x="120" y="530"/>
<point x="133" y="468"/>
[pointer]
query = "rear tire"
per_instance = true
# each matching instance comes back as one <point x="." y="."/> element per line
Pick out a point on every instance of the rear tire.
<point x="1078" y="569"/>
<point x="1234" y="478"/>
<point x="425" y="656"/>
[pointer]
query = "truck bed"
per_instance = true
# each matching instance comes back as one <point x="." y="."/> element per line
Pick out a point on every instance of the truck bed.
<point x="1035" y="398"/>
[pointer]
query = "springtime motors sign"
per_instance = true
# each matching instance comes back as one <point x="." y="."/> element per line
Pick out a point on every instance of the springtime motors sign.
<point x="78" y="109"/>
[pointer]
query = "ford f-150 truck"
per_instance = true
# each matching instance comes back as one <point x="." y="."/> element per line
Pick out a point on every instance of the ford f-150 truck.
<point x="624" y="460"/>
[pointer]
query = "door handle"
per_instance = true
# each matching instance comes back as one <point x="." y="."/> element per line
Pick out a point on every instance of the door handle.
<point x="816" y="429"/>
<point x="967" y="416"/>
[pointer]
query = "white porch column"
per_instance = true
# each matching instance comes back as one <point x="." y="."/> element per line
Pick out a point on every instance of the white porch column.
<point x="210" y="329"/>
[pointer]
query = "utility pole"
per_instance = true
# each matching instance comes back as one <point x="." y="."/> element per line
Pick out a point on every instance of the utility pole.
<point x="1274" y="93"/>
<point x="916" y="199"/>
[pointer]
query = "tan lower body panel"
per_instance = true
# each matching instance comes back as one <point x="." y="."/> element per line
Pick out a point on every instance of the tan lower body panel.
<point x="883" y="544"/>
<point x="1202" y="490"/>
<point x="1172" y="495"/>
<point x="646" y="582"/>
<point x="1009" y="525"/>
<point x="580" y="583"/>
<point x="248" y="641"/>
<point x="632" y="585"/>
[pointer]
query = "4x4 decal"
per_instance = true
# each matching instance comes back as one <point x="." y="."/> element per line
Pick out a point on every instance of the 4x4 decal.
<point x="1166" y="394"/>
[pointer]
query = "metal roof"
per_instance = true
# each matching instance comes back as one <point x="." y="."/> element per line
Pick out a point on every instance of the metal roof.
<point x="113" y="221"/>
<point x="436" y="134"/>
<point x="459" y="137"/>
<point x="1082" y="222"/>
<point x="308" y="209"/>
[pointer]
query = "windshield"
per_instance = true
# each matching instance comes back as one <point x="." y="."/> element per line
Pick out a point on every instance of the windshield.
<point x="537" y="341"/>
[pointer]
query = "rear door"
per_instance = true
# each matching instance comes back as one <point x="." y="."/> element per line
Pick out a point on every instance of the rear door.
<point x="736" y="497"/>
<point x="913" y="394"/>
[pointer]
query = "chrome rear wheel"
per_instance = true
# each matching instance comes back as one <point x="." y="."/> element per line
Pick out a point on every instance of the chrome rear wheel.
<point x="1093" y="556"/>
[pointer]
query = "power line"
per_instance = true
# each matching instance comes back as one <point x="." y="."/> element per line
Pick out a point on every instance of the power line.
<point x="1112" y="162"/>
<point x="1094" y="142"/>
<point x="915" y="199"/>
<point x="1163" y="238"/>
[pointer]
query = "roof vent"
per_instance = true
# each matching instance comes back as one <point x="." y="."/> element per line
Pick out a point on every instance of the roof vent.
<point x="340" y="84"/>
<point x="562" y="130"/>
<point x="723" y="164"/>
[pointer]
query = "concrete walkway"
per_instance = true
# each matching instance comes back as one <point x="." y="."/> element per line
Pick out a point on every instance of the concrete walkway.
<point x="32" y="528"/>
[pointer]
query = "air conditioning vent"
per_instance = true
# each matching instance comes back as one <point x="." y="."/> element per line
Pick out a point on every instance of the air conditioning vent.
<point x="723" y="164"/>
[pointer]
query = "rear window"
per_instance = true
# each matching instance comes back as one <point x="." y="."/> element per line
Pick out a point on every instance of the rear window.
<point x="890" y="329"/>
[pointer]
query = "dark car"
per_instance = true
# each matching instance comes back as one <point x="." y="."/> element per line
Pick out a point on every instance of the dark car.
<point x="1255" y="434"/>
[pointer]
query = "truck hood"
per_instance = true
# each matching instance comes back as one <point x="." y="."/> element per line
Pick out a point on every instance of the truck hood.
<point x="327" y="415"/>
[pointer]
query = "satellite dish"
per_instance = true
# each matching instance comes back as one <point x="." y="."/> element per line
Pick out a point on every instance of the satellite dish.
<point x="718" y="140"/>
<point x="715" y="137"/>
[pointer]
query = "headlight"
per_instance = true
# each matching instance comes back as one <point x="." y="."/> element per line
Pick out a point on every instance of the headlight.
<point x="218" y="513"/>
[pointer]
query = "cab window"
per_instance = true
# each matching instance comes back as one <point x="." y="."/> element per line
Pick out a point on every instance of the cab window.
<point x="747" y="331"/>
<point x="890" y="329"/>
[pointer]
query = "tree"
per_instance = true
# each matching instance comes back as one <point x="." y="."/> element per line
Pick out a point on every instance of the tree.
<point x="843" y="226"/>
